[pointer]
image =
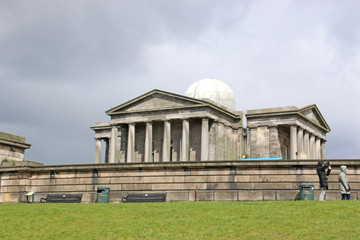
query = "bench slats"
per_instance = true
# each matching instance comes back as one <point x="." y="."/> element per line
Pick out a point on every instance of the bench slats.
<point x="144" y="197"/>
<point x="62" y="198"/>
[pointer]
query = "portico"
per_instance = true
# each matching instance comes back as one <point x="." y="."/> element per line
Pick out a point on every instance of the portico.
<point x="171" y="128"/>
<point x="300" y="133"/>
<point x="203" y="125"/>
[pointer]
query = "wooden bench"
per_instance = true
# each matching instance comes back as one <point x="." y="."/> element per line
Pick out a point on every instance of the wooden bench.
<point x="62" y="198"/>
<point x="144" y="197"/>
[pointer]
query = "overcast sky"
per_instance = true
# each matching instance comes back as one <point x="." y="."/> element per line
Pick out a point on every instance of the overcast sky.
<point x="64" y="63"/>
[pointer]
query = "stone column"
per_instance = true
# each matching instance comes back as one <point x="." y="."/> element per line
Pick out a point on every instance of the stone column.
<point x="118" y="145"/>
<point x="131" y="143"/>
<point x="312" y="147"/>
<point x="306" y="144"/>
<point x="252" y="143"/>
<point x="274" y="144"/>
<point x="166" y="142"/>
<point x="323" y="149"/>
<point x="293" y="142"/>
<point x="113" y="148"/>
<point x="107" y="150"/>
<point x="318" y="148"/>
<point x="300" y="144"/>
<point x="205" y="139"/>
<point x="148" y="142"/>
<point x="300" y="140"/>
<point x="185" y="141"/>
<point x="97" y="151"/>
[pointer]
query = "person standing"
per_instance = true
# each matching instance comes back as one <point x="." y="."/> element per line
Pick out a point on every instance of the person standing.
<point x="344" y="184"/>
<point x="321" y="167"/>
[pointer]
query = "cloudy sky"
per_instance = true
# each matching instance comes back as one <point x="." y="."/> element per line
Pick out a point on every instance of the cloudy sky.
<point x="64" y="63"/>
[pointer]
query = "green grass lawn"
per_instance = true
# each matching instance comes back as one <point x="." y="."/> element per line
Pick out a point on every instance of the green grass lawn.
<point x="183" y="220"/>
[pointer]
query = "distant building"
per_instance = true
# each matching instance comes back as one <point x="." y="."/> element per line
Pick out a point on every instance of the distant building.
<point x="203" y="125"/>
<point x="12" y="148"/>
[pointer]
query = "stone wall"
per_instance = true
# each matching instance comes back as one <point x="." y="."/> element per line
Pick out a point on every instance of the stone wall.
<point x="12" y="148"/>
<point x="190" y="181"/>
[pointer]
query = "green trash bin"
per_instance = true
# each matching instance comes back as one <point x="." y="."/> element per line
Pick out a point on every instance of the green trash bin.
<point x="103" y="195"/>
<point x="306" y="191"/>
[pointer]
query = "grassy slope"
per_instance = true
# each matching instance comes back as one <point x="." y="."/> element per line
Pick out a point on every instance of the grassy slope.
<point x="186" y="220"/>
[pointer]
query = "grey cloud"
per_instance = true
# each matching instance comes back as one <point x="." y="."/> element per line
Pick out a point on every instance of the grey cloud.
<point x="63" y="64"/>
<point x="57" y="40"/>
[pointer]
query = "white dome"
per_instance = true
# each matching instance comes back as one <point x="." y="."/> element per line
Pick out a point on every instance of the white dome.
<point x="214" y="90"/>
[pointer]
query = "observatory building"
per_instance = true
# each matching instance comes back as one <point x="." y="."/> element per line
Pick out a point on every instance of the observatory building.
<point x="190" y="147"/>
<point x="204" y="125"/>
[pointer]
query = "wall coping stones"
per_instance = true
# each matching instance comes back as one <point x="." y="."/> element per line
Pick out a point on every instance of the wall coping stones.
<point x="336" y="163"/>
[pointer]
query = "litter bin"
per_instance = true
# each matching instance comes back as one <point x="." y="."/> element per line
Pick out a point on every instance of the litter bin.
<point x="306" y="191"/>
<point x="103" y="195"/>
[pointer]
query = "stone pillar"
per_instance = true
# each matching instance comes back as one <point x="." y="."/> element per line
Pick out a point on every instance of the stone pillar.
<point x="300" y="140"/>
<point x="323" y="149"/>
<point x="274" y="144"/>
<point x="148" y="142"/>
<point x="107" y="150"/>
<point x="306" y="144"/>
<point x="131" y="143"/>
<point x="312" y="147"/>
<point x="300" y="145"/>
<point x="166" y="142"/>
<point x="293" y="142"/>
<point x="252" y="143"/>
<point x="318" y="148"/>
<point x="205" y="139"/>
<point x="113" y="148"/>
<point x="118" y="145"/>
<point x="185" y="141"/>
<point x="98" y="151"/>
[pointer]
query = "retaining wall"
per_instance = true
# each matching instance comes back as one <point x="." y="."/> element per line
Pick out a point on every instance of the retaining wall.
<point x="191" y="181"/>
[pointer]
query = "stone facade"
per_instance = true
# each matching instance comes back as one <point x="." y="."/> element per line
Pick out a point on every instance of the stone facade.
<point x="182" y="181"/>
<point x="165" y="127"/>
<point x="12" y="148"/>
<point x="286" y="133"/>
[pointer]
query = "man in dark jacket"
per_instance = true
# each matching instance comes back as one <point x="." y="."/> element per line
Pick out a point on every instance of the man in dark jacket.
<point x="321" y="167"/>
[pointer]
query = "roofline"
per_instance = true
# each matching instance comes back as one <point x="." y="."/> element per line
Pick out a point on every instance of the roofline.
<point x="200" y="103"/>
<point x="292" y="112"/>
<point x="16" y="144"/>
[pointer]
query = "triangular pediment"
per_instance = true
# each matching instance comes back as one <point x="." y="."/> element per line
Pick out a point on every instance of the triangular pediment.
<point x="155" y="100"/>
<point x="313" y="114"/>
